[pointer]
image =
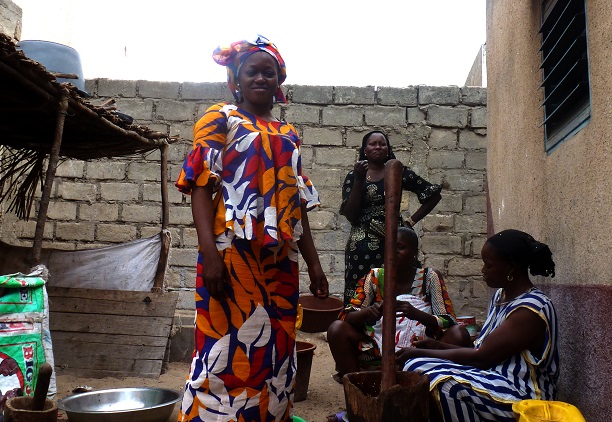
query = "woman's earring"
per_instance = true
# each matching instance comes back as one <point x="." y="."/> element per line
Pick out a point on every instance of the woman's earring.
<point x="509" y="277"/>
<point x="240" y="97"/>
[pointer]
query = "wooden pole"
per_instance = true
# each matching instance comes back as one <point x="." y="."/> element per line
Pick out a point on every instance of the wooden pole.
<point x="158" y="284"/>
<point x="393" y="190"/>
<point x="50" y="176"/>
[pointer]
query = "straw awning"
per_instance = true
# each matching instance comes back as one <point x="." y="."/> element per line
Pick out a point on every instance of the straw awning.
<point x="43" y="122"/>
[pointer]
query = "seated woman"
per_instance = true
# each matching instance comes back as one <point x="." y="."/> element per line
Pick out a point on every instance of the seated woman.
<point x="514" y="358"/>
<point x="423" y="307"/>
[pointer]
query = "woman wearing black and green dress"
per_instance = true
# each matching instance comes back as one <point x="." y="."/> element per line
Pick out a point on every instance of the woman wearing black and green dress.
<point x="363" y="204"/>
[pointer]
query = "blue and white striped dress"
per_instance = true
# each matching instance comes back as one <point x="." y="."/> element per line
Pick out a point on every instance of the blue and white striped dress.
<point x="466" y="393"/>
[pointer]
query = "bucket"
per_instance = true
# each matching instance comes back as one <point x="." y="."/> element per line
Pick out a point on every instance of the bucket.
<point x="469" y="322"/>
<point x="305" y="352"/>
<point x="407" y="400"/>
<point x="57" y="58"/>
<point x="546" y="411"/>
<point x="17" y="409"/>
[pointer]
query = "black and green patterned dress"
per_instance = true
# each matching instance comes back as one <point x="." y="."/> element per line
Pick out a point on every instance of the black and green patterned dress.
<point x="365" y="248"/>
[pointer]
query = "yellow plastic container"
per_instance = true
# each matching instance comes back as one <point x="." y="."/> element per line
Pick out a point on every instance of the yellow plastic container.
<point x="546" y="411"/>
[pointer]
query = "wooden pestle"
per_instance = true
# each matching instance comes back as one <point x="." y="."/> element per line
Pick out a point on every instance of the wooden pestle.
<point x="42" y="387"/>
<point x="393" y="195"/>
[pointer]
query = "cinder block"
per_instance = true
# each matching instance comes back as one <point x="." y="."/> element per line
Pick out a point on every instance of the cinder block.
<point x="385" y="116"/>
<point x="115" y="233"/>
<point x="190" y="237"/>
<point x="334" y="157"/>
<point x="175" y="110"/>
<point x="322" y="220"/>
<point x="205" y="91"/>
<point x="478" y="117"/>
<point x="144" y="171"/>
<point x="298" y="113"/>
<point x="116" y="88"/>
<point x="98" y="212"/>
<point x="321" y="136"/>
<point x="181" y="216"/>
<point x="75" y="231"/>
<point x="327" y="177"/>
<point x="141" y="214"/>
<point x="305" y="94"/>
<point x="447" y="116"/>
<point x="342" y="116"/>
<point x="106" y="170"/>
<point x="444" y="244"/>
<point x="136" y="108"/>
<point x="476" y="204"/>
<point x="151" y="89"/>
<point x="464" y="267"/>
<point x="415" y="115"/>
<point x="473" y="96"/>
<point x="476" y="160"/>
<point x="438" y="223"/>
<point x="70" y="169"/>
<point x="472" y="140"/>
<point x="60" y="210"/>
<point x="405" y="97"/>
<point x="76" y="191"/>
<point x="443" y="138"/>
<point x="119" y="191"/>
<point x="442" y="159"/>
<point x="354" y="95"/>
<point x="461" y="180"/>
<point x="183" y="257"/>
<point x="441" y="95"/>
<point x="450" y="202"/>
<point x="471" y="223"/>
<point x="182" y="130"/>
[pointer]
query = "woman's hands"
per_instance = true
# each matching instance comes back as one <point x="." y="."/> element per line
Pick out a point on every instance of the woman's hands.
<point x="360" y="169"/>
<point x="405" y="353"/>
<point x="405" y="309"/>
<point x="373" y="313"/>
<point x="214" y="271"/>
<point x="319" y="286"/>
<point x="215" y="275"/>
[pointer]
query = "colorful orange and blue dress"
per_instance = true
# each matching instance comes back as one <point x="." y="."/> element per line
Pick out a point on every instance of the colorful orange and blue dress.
<point x="244" y="362"/>
<point x="428" y="293"/>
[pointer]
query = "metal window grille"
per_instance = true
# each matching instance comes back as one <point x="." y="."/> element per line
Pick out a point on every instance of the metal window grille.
<point x="565" y="69"/>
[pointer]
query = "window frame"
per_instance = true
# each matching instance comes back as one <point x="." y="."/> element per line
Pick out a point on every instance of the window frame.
<point x="565" y="70"/>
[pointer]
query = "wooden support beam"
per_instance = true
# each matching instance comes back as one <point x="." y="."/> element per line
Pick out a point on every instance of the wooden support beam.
<point x="50" y="175"/>
<point x="393" y="196"/>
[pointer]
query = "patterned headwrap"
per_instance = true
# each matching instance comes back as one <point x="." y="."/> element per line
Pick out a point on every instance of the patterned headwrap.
<point x="232" y="56"/>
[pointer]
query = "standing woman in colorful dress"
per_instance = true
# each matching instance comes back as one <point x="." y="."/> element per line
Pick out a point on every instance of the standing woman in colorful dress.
<point x="249" y="201"/>
<point x="515" y="356"/>
<point x="363" y="204"/>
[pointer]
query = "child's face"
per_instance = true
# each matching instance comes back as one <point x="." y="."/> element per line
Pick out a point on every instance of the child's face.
<point x="406" y="254"/>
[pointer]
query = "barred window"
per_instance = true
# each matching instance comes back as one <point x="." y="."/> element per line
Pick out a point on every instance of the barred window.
<point x="565" y="70"/>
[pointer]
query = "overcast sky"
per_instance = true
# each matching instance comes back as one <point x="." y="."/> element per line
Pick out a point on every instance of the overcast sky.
<point x="324" y="42"/>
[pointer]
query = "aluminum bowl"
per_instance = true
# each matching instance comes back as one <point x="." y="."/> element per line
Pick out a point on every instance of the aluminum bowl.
<point x="121" y="405"/>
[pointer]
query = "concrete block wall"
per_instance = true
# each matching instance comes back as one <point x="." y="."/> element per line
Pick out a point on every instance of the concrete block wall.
<point x="10" y="19"/>
<point x="440" y="132"/>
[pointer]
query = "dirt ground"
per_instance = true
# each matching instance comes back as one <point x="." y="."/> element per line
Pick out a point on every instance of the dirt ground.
<point x="325" y="396"/>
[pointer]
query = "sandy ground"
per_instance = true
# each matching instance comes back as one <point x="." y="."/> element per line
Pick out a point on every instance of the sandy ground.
<point x="325" y="396"/>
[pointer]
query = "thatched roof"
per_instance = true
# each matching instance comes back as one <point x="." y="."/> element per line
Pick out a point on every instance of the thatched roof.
<point x="30" y="100"/>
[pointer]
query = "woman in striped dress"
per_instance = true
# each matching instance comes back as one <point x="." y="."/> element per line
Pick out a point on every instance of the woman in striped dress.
<point x="514" y="358"/>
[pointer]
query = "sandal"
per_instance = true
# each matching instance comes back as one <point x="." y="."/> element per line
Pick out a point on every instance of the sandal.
<point x="338" y="417"/>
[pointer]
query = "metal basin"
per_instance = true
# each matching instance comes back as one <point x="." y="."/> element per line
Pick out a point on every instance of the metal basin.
<point x="121" y="404"/>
